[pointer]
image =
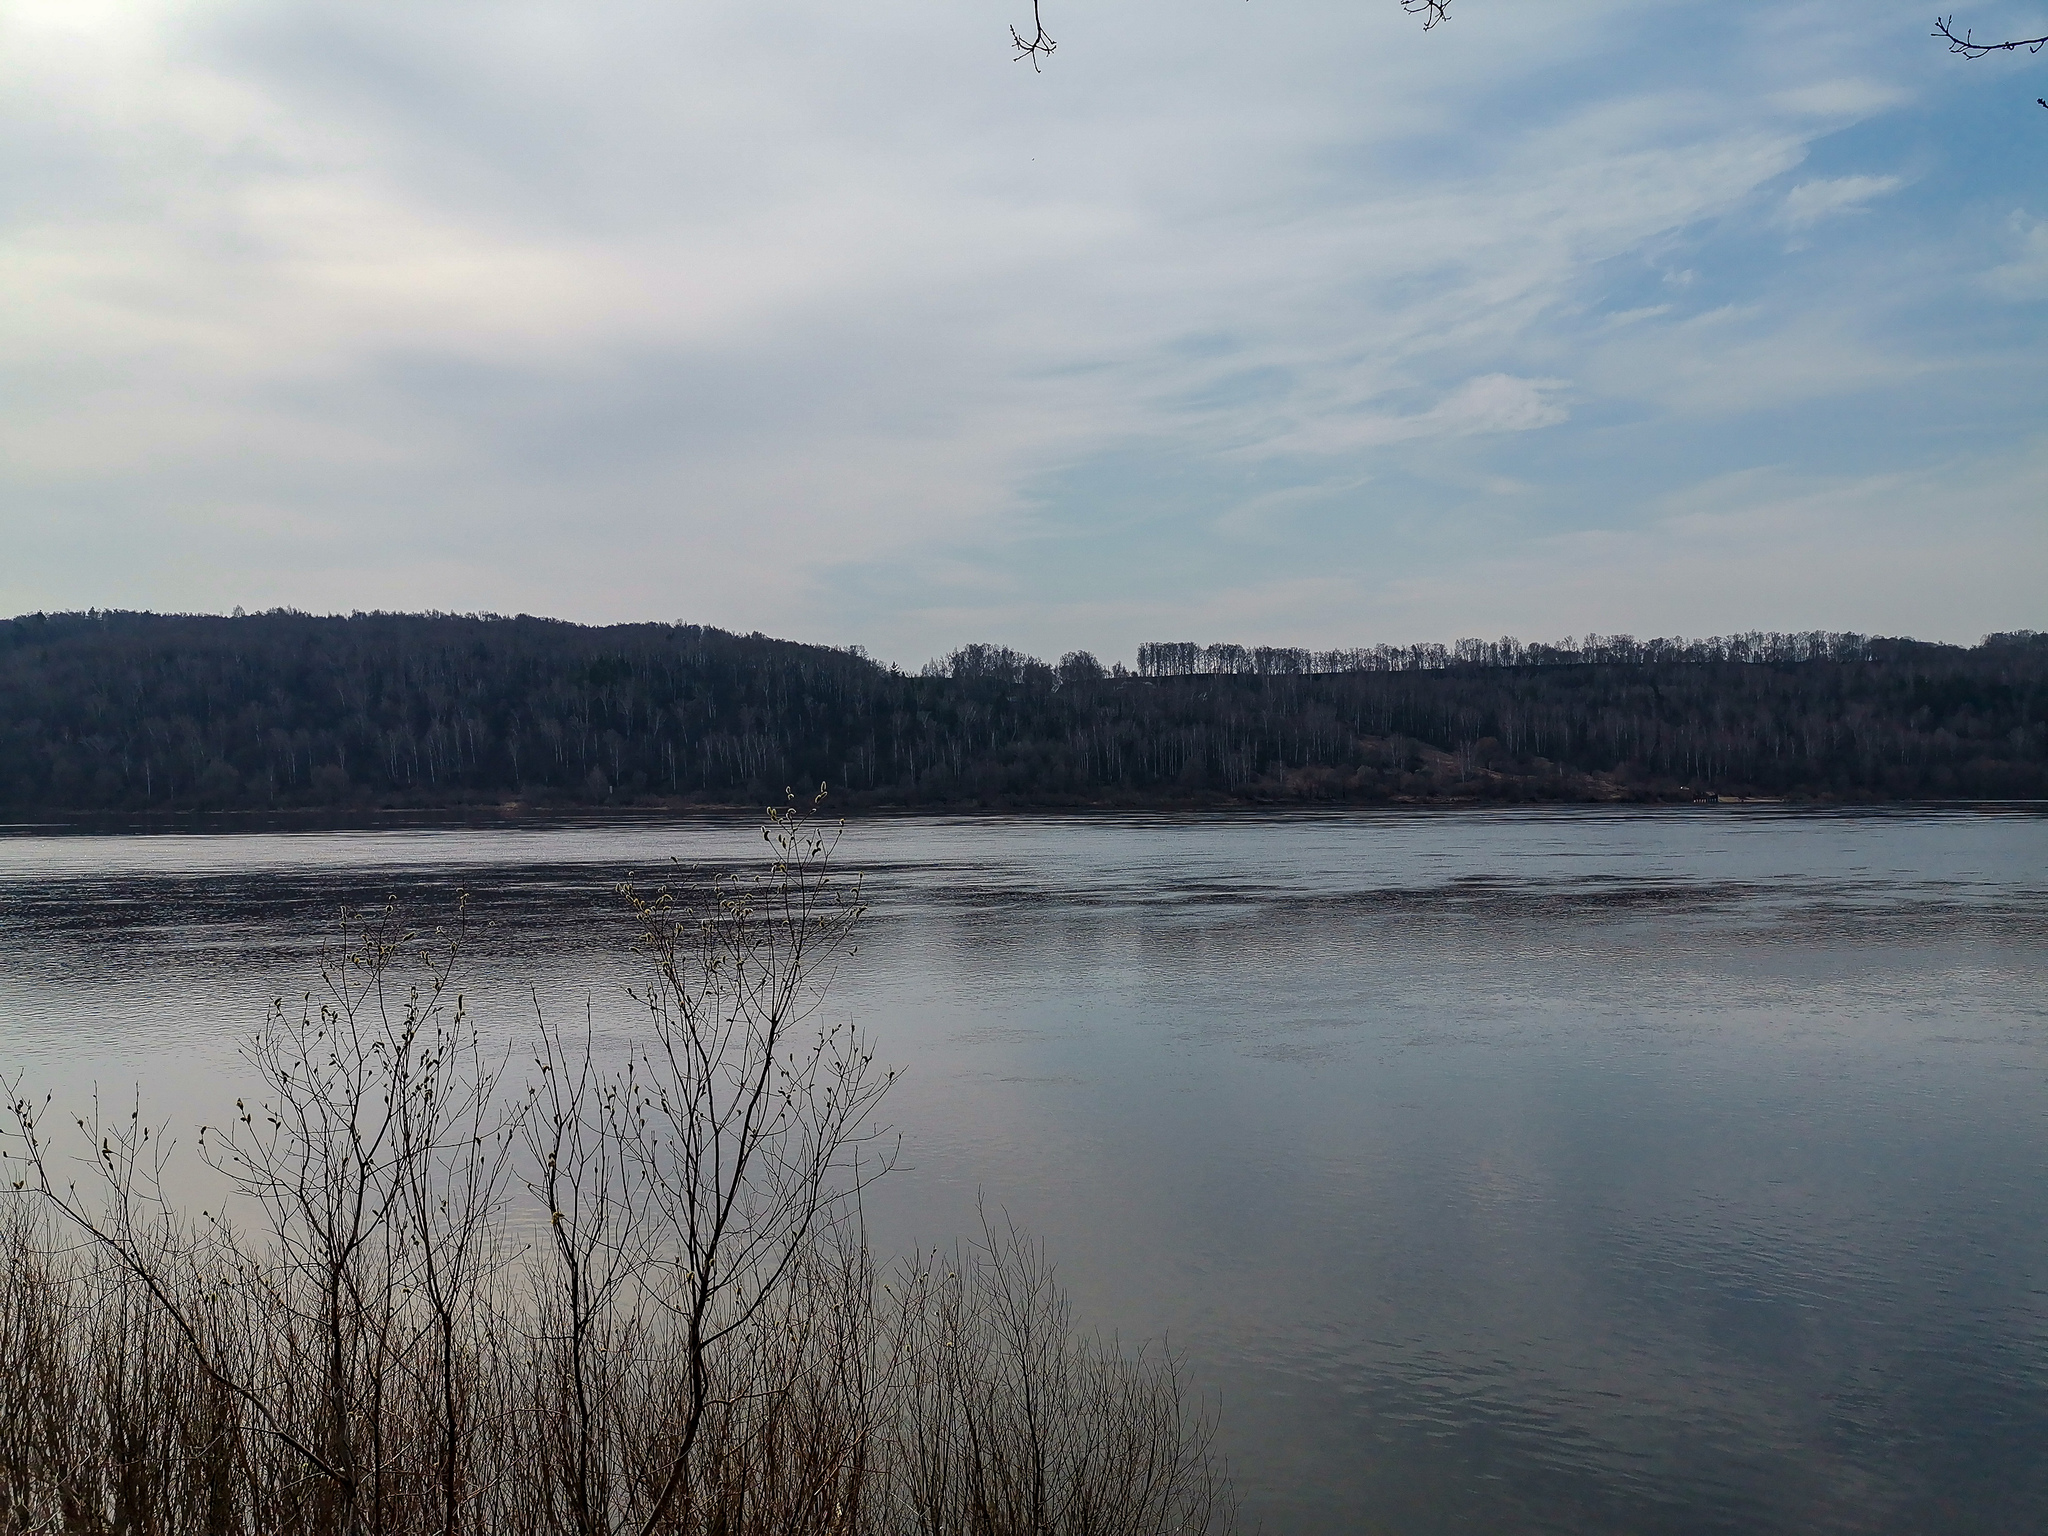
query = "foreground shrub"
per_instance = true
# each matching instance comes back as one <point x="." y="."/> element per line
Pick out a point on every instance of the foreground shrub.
<point x="630" y="1298"/>
<point x="951" y="1395"/>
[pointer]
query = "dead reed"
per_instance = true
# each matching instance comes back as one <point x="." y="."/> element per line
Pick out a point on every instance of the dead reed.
<point x="633" y="1298"/>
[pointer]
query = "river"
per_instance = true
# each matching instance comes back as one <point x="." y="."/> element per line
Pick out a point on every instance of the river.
<point x="1575" y="1170"/>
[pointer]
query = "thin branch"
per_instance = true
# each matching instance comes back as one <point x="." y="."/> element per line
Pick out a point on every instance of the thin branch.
<point x="116" y="1166"/>
<point x="1966" y="44"/>
<point x="1039" y="46"/>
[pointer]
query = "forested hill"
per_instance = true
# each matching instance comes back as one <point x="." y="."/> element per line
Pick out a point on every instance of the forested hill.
<point x="134" y="712"/>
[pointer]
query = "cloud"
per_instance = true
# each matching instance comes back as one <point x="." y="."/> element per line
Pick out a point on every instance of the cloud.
<point x="1758" y="549"/>
<point x="1812" y="201"/>
<point x="836" y="323"/>
<point x="1495" y="402"/>
<point x="1737" y="360"/>
<point x="2026" y="275"/>
<point x="1842" y="98"/>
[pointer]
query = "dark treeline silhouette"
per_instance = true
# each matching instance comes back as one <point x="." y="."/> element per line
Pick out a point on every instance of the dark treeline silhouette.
<point x="137" y="712"/>
<point x="1186" y="659"/>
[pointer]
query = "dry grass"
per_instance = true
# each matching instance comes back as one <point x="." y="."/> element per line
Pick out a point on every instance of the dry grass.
<point x="949" y="1396"/>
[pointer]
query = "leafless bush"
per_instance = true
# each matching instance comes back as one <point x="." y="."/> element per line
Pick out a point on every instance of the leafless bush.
<point x="1011" y="1423"/>
<point x="685" y="1334"/>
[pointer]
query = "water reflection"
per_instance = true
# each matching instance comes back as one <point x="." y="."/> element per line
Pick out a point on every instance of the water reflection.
<point x="1512" y="1172"/>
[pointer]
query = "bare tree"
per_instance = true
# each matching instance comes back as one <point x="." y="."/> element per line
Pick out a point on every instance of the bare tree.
<point x="453" y="1144"/>
<point x="698" y="1341"/>
<point x="374" y="1159"/>
<point x="597" y="1209"/>
<point x="751" y="1112"/>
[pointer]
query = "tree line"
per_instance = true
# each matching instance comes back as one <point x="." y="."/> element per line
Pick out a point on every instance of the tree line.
<point x="1184" y="658"/>
<point x="108" y="711"/>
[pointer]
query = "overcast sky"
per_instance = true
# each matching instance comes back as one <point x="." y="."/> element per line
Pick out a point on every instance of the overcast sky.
<point x="1275" y="322"/>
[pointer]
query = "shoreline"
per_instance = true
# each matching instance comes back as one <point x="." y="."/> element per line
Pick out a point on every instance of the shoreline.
<point x="366" y="818"/>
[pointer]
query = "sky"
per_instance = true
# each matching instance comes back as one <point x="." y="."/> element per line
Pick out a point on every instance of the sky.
<point x="1266" y="321"/>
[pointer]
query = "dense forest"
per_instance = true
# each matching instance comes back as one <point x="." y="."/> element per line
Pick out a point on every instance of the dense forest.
<point x="109" y="711"/>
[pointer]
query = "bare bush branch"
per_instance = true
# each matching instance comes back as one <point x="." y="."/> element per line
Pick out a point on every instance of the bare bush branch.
<point x="689" y="1335"/>
<point x="1039" y="46"/>
<point x="749" y="1113"/>
<point x="1966" y="44"/>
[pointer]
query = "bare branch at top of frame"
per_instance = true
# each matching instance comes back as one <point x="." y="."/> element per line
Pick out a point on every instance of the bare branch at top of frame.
<point x="1039" y="46"/>
<point x="1965" y="42"/>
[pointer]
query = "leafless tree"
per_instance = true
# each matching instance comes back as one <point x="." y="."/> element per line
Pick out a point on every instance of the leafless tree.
<point x="750" y="1114"/>
<point x="453" y="1144"/>
<point x="597" y="1209"/>
<point x="698" y="1340"/>
<point x="374" y="1159"/>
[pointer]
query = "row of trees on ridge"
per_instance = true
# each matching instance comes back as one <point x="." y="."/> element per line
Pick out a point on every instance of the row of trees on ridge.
<point x="144" y="712"/>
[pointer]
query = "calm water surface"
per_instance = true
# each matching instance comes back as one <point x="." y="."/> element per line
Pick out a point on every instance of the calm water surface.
<point x="1672" y="1171"/>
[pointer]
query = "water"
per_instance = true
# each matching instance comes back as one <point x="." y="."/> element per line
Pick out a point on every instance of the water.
<point x="1646" y="1171"/>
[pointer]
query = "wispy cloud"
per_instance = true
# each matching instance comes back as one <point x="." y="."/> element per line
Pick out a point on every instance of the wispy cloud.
<point x="1812" y="201"/>
<point x="836" y="323"/>
<point x="1496" y="402"/>
<point x="2025" y="276"/>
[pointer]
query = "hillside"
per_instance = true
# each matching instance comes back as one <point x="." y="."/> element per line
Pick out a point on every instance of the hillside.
<point x="142" y="712"/>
